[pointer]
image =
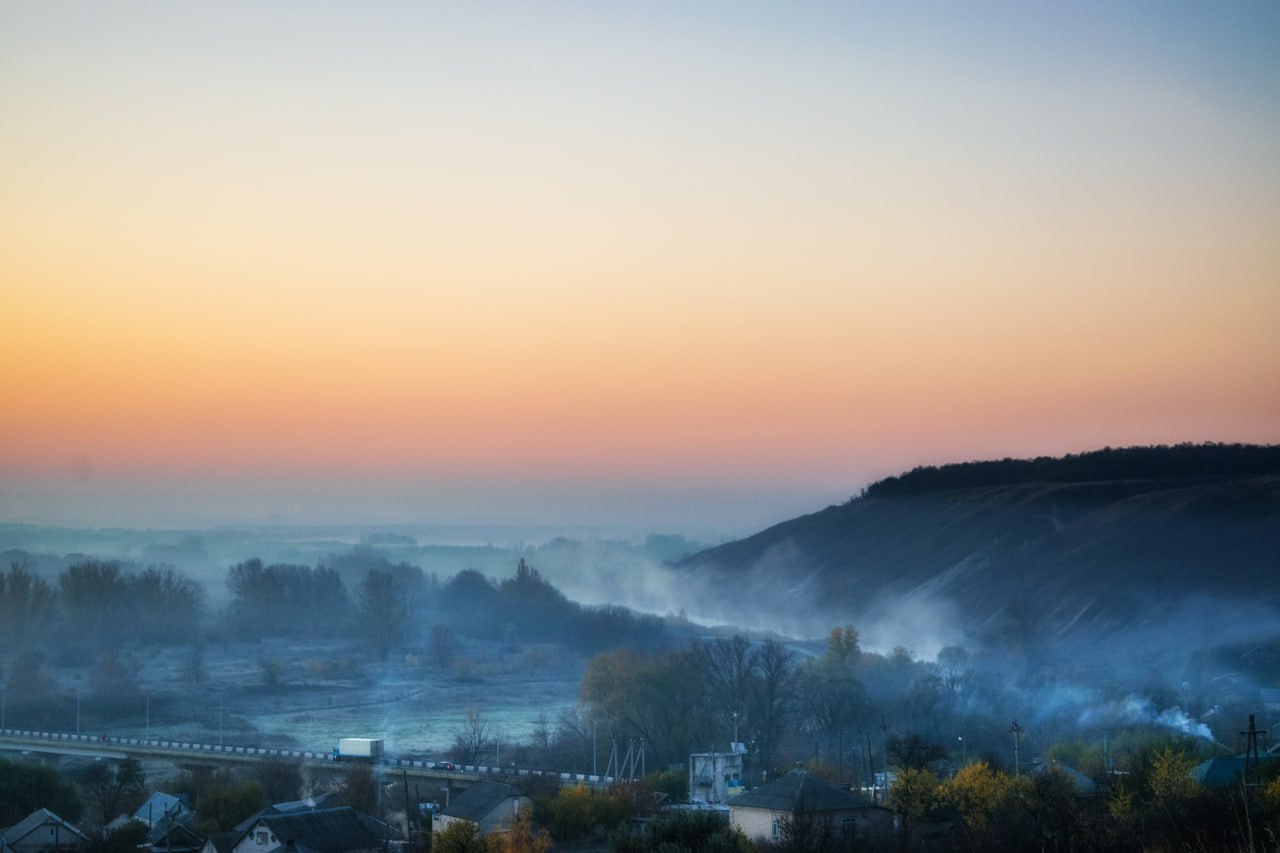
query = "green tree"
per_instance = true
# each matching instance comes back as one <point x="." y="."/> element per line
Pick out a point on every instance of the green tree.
<point x="93" y="598"/>
<point x="772" y="698"/>
<point x="272" y="671"/>
<point x="659" y="697"/>
<point x="129" y="838"/>
<point x="26" y="602"/>
<point x="442" y="646"/>
<point x="25" y="787"/>
<point x="165" y="604"/>
<point x="281" y="778"/>
<point x="1170" y="780"/>
<point x="912" y="796"/>
<point x="844" y="645"/>
<point x="113" y="789"/>
<point x="227" y="801"/>
<point x="114" y="680"/>
<point x="194" y="668"/>
<point x="1051" y="802"/>
<point x="572" y="813"/>
<point x="28" y="691"/>
<point x="682" y="832"/>
<point x="461" y="836"/>
<point x="381" y="611"/>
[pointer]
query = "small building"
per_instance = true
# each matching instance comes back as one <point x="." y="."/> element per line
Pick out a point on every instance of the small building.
<point x="761" y="814"/>
<point x="221" y="842"/>
<point x="161" y="807"/>
<point x="715" y="777"/>
<point x="491" y="806"/>
<point x="41" y="831"/>
<point x="337" y="830"/>
<point x="1083" y="785"/>
<point x="175" y="834"/>
<point x="327" y="800"/>
<point x="1228" y="771"/>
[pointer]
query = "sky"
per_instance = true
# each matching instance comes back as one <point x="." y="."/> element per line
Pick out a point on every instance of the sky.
<point x="695" y="267"/>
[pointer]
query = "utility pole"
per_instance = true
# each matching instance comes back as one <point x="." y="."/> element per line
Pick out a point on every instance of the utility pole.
<point x="1016" y="730"/>
<point x="884" y="733"/>
<point x="1252" y="763"/>
<point x="871" y="768"/>
<point x="404" y="780"/>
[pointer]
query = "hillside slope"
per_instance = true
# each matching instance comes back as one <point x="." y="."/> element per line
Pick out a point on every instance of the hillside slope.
<point x="1067" y="562"/>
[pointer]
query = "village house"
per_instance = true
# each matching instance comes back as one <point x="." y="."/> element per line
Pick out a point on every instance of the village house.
<point x="336" y="830"/>
<point x="762" y="813"/>
<point x="41" y="831"/>
<point x="491" y="806"/>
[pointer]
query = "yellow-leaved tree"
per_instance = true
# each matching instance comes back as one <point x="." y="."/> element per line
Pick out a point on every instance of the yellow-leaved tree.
<point x="979" y="793"/>
<point x="913" y="795"/>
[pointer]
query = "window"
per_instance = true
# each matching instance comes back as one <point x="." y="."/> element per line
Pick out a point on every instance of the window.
<point x="846" y="825"/>
<point x="260" y="837"/>
<point x="776" y="829"/>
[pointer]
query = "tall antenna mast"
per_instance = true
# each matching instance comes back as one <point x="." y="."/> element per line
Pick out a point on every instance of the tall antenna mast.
<point x="1016" y="730"/>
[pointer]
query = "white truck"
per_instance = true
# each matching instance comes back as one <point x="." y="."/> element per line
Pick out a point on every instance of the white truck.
<point x="358" y="749"/>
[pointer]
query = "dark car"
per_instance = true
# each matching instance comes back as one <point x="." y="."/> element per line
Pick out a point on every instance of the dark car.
<point x="442" y="765"/>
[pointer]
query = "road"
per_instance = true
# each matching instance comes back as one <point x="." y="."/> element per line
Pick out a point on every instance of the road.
<point x="182" y="752"/>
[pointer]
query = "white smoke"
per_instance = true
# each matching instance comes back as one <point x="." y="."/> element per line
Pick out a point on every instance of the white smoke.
<point x="1136" y="709"/>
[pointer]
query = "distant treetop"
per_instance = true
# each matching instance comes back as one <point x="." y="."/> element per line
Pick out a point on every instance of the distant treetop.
<point x="1161" y="462"/>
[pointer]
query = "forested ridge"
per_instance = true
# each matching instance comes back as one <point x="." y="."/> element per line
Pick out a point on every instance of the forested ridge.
<point x="1162" y="462"/>
<point x="1173" y="541"/>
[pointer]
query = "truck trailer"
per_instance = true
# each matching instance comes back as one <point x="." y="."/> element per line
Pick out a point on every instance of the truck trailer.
<point x="358" y="749"/>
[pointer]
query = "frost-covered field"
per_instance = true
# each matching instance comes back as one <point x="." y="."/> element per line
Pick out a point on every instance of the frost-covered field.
<point x="307" y="694"/>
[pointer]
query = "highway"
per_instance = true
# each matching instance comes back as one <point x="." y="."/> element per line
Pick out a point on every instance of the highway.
<point x="182" y="752"/>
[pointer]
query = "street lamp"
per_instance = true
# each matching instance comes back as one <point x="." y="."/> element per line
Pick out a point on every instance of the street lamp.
<point x="219" y="720"/>
<point x="148" y="695"/>
<point x="77" y="711"/>
<point x="964" y="751"/>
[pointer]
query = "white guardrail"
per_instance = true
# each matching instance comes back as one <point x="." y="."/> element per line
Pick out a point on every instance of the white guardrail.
<point x="180" y="748"/>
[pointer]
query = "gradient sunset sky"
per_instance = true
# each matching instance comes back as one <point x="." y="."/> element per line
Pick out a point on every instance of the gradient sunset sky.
<point x="678" y="266"/>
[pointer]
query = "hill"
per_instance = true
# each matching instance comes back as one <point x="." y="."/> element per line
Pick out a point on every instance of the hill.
<point x="1151" y="545"/>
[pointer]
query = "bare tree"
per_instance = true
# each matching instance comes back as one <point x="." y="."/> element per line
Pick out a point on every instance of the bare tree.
<point x="472" y="736"/>
<point x="360" y="788"/>
<point x="773" y="698"/>
<point x="114" y="788"/>
<point x="442" y="646"/>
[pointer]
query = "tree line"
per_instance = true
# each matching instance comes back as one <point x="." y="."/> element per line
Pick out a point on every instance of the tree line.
<point x="95" y="605"/>
<point x="1160" y="462"/>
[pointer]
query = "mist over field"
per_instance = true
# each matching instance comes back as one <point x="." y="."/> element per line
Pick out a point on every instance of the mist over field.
<point x="888" y="390"/>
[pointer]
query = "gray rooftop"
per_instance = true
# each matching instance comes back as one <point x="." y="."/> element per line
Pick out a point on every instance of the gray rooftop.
<point x="330" y="830"/>
<point x="478" y="801"/>
<point x="37" y="819"/>
<point x="799" y="789"/>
